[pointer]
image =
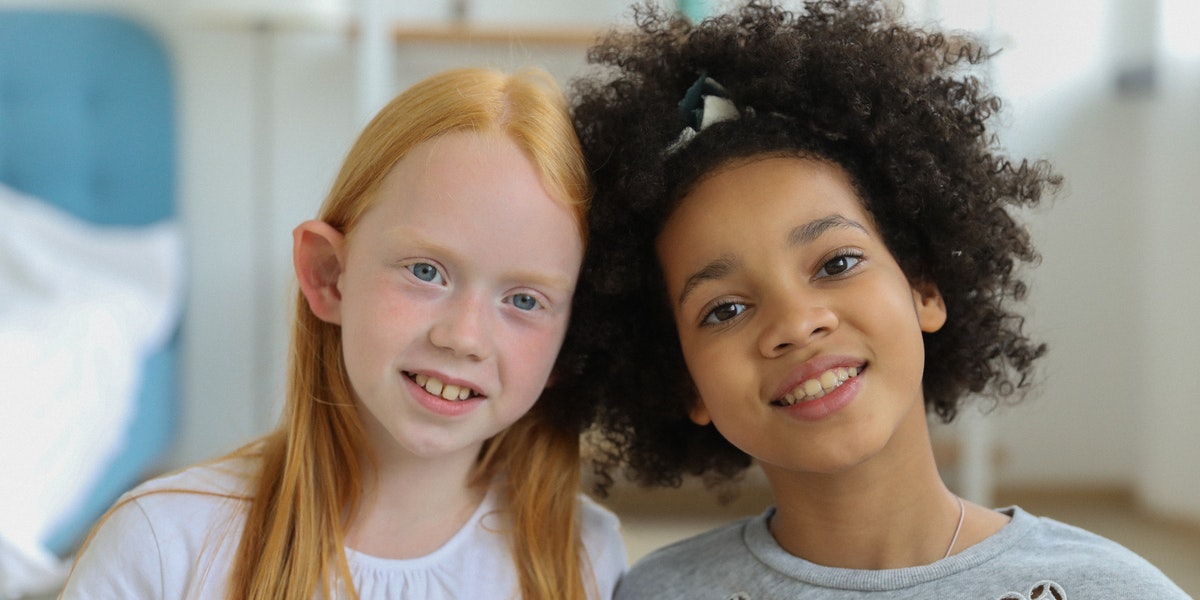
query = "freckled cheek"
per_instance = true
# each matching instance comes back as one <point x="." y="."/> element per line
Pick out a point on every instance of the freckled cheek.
<point x="391" y="304"/>
<point x="531" y="356"/>
<point x="545" y="348"/>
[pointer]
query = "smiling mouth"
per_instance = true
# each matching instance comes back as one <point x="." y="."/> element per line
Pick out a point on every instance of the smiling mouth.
<point x="445" y="391"/>
<point x="811" y="389"/>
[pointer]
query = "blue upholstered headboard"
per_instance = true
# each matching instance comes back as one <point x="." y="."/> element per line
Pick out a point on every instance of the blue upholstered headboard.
<point x="87" y="123"/>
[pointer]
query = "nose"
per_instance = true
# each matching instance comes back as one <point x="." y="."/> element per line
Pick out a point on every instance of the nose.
<point x="794" y="320"/>
<point x="464" y="328"/>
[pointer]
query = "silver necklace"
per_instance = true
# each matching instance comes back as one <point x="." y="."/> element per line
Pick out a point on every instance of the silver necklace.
<point x="962" y="512"/>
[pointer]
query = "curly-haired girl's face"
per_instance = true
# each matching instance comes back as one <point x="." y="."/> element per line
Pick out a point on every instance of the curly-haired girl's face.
<point x="801" y="332"/>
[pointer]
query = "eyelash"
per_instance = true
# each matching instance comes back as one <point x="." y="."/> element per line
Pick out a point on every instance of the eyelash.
<point x="707" y="319"/>
<point x="841" y="255"/>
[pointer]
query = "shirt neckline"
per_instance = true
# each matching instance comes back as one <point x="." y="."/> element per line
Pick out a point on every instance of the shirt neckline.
<point x="765" y="549"/>
<point x="460" y="537"/>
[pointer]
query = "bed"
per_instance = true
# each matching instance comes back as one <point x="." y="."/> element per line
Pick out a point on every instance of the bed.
<point x="91" y="277"/>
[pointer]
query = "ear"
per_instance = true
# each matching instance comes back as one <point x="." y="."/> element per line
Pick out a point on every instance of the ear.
<point x="699" y="413"/>
<point x="318" y="252"/>
<point x="931" y="308"/>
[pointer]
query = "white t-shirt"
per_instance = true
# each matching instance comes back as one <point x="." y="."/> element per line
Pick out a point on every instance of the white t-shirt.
<point x="180" y="545"/>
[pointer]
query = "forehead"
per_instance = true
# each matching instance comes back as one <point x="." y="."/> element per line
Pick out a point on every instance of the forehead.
<point x="467" y="189"/>
<point x="454" y="165"/>
<point x="464" y="170"/>
<point x="769" y="194"/>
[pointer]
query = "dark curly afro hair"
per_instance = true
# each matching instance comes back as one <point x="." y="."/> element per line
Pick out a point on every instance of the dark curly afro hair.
<point x="844" y="81"/>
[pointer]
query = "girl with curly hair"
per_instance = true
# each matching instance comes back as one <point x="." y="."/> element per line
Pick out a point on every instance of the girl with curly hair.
<point x="420" y="453"/>
<point x="792" y="266"/>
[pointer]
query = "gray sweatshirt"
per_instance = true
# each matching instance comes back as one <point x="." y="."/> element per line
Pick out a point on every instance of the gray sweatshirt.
<point x="1031" y="558"/>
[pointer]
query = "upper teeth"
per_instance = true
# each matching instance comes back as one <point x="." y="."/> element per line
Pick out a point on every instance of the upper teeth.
<point x="435" y="386"/>
<point x="812" y="389"/>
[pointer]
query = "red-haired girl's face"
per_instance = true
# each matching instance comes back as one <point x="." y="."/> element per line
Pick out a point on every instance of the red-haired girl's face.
<point x="455" y="293"/>
<point x="802" y="334"/>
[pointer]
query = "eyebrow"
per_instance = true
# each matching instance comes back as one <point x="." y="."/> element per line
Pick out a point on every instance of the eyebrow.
<point x="802" y="234"/>
<point x="714" y="270"/>
<point x="543" y="281"/>
<point x="808" y="232"/>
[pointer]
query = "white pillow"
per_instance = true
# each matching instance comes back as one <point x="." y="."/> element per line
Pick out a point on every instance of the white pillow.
<point x="81" y="306"/>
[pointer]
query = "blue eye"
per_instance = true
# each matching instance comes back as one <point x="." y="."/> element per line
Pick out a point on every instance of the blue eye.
<point x="839" y="264"/>
<point x="724" y="312"/>
<point x="425" y="272"/>
<point x="525" y="301"/>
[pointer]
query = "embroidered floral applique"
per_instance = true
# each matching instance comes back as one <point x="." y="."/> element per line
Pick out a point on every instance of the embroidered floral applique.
<point x="1042" y="590"/>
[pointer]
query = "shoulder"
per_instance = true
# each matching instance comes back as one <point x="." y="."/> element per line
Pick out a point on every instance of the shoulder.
<point x="223" y="478"/>
<point x="597" y="519"/>
<point x="157" y="535"/>
<point x="720" y="542"/>
<point x="195" y="498"/>
<point x="600" y="531"/>
<point x="690" y="565"/>
<point x="1070" y="545"/>
<point x="1083" y="561"/>
<point x="121" y="559"/>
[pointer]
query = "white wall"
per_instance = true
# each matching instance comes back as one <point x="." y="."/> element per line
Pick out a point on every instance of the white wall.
<point x="1060" y="104"/>
<point x="1120" y="263"/>
<point x="263" y="139"/>
<point x="1119" y="275"/>
<point x="1080" y="425"/>
<point x="1167" y="476"/>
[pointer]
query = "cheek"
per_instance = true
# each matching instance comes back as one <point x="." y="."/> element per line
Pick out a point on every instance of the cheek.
<point x="366" y="350"/>
<point x="377" y="322"/>
<point x="711" y="371"/>
<point x="530" y="355"/>
<point x="898" y="331"/>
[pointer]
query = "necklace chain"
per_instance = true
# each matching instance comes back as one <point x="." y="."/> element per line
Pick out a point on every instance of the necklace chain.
<point x="962" y="513"/>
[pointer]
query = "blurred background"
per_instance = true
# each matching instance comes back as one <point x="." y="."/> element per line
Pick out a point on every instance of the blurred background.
<point x="269" y="95"/>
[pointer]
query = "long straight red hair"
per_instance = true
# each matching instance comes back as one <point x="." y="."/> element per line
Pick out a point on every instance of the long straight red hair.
<point x="311" y="476"/>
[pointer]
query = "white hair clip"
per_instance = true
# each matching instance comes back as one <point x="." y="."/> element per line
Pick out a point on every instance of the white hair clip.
<point x="706" y="102"/>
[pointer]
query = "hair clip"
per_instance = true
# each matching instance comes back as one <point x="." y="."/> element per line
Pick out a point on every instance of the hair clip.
<point x="706" y="102"/>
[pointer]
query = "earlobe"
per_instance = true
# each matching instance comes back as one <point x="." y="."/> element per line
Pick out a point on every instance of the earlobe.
<point x="931" y="308"/>
<point x="699" y="413"/>
<point x="317" y="255"/>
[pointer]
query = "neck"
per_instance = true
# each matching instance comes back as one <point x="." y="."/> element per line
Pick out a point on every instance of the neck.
<point x="411" y="506"/>
<point x="891" y="511"/>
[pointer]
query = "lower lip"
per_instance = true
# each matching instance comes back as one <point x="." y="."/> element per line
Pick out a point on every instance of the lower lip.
<point x="827" y="405"/>
<point x="439" y="405"/>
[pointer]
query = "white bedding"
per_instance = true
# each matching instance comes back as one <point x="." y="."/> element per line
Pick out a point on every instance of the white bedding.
<point x="80" y="307"/>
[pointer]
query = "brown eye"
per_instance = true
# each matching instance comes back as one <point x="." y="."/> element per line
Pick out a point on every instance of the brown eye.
<point x="839" y="265"/>
<point x="724" y="312"/>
